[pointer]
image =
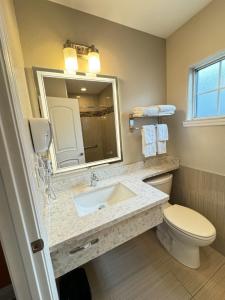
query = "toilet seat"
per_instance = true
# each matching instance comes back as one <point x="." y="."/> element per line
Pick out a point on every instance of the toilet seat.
<point x="189" y="222"/>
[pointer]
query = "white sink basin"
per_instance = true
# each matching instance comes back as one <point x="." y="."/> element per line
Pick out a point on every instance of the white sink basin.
<point x="90" y="202"/>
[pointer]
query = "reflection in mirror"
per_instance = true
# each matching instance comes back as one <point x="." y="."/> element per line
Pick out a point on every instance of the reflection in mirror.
<point x="84" y="118"/>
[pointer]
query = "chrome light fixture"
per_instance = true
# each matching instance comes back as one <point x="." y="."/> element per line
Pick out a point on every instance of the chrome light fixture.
<point x="72" y="50"/>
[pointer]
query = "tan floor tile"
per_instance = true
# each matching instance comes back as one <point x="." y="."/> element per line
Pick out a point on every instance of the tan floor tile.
<point x="146" y="285"/>
<point x="215" y="288"/>
<point x="111" y="268"/>
<point x="141" y="269"/>
<point x="193" y="280"/>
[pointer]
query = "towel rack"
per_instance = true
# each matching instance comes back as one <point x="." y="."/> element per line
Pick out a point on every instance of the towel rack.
<point x="132" y="118"/>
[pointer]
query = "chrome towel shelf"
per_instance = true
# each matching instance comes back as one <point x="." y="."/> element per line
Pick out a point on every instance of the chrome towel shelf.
<point x="132" y="118"/>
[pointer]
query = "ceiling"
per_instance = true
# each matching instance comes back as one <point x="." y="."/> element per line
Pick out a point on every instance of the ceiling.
<point x="93" y="87"/>
<point x="157" y="17"/>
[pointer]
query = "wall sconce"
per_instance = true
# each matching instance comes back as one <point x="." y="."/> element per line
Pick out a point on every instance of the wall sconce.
<point x="72" y="50"/>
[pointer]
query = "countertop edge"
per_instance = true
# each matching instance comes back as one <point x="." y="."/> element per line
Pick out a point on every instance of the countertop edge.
<point x="153" y="172"/>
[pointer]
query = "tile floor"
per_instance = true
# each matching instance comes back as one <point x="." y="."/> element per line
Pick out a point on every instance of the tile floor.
<point x="142" y="270"/>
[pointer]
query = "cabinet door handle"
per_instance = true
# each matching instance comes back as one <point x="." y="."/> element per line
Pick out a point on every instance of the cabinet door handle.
<point x="85" y="246"/>
<point x="95" y="241"/>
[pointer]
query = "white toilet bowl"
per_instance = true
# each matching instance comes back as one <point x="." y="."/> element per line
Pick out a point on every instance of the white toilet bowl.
<point x="183" y="230"/>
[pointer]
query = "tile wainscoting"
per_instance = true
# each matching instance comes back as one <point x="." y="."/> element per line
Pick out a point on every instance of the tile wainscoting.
<point x="204" y="192"/>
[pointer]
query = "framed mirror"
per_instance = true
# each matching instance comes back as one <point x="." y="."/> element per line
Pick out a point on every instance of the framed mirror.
<point x="84" y="115"/>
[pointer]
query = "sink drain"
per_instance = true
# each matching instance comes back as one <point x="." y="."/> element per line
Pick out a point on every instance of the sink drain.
<point x="101" y="206"/>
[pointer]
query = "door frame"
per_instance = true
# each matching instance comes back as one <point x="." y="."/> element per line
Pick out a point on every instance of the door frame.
<point x="31" y="274"/>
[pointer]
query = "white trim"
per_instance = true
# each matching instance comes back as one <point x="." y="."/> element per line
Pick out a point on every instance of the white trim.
<point x="204" y="122"/>
<point x="45" y="114"/>
<point x="10" y="247"/>
<point x="208" y="60"/>
<point x="192" y="119"/>
<point x="22" y="227"/>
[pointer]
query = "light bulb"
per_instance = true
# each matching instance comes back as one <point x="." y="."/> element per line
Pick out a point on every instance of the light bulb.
<point x="70" y="58"/>
<point x="93" y="60"/>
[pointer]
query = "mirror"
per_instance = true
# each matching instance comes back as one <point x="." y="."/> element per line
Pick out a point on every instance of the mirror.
<point x="84" y="115"/>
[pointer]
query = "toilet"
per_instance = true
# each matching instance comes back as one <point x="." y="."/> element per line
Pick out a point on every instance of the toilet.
<point x="183" y="230"/>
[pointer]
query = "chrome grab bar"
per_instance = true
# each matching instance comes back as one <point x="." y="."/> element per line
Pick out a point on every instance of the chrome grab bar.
<point x="90" y="147"/>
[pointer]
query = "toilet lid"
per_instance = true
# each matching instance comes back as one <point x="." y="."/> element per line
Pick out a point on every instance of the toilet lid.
<point x="189" y="221"/>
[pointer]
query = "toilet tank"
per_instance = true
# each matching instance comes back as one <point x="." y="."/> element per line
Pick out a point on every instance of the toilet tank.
<point x="162" y="183"/>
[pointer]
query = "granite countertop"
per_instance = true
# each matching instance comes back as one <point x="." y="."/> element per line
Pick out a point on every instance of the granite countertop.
<point x="64" y="224"/>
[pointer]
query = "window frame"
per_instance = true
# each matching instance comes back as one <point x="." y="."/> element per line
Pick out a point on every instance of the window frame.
<point x="191" y="118"/>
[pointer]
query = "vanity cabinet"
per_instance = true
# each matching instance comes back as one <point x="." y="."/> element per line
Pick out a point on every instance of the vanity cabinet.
<point x="75" y="253"/>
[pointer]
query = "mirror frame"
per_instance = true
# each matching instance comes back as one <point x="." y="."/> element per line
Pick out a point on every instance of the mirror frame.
<point x="45" y="114"/>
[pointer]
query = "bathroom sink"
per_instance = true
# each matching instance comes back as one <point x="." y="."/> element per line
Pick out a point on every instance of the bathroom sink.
<point x="90" y="202"/>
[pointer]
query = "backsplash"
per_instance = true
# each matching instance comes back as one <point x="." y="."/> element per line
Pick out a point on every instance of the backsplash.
<point x="204" y="192"/>
<point x="62" y="181"/>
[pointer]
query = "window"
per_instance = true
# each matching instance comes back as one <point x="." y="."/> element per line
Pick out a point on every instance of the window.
<point x="208" y="93"/>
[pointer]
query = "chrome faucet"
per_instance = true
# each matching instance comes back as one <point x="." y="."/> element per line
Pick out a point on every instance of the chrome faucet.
<point x="94" y="179"/>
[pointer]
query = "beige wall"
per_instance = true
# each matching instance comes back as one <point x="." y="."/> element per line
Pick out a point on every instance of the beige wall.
<point x="198" y="147"/>
<point x="55" y="87"/>
<point x="136" y="58"/>
<point x="204" y="192"/>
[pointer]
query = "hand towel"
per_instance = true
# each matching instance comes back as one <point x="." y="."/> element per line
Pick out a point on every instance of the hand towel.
<point x="161" y="147"/>
<point x="149" y="132"/>
<point x="162" y="132"/>
<point x="148" y="149"/>
<point x="148" y="140"/>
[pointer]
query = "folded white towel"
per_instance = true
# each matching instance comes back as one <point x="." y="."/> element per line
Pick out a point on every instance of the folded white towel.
<point x="166" y="113"/>
<point x="146" y="111"/>
<point x="143" y="108"/>
<point x="162" y="132"/>
<point x="138" y="115"/>
<point x="148" y="133"/>
<point x="139" y="108"/>
<point x="153" y="110"/>
<point x="161" y="147"/>
<point x="167" y="108"/>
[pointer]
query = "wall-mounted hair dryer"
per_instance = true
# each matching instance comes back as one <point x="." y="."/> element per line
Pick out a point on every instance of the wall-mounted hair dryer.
<point x="41" y="133"/>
